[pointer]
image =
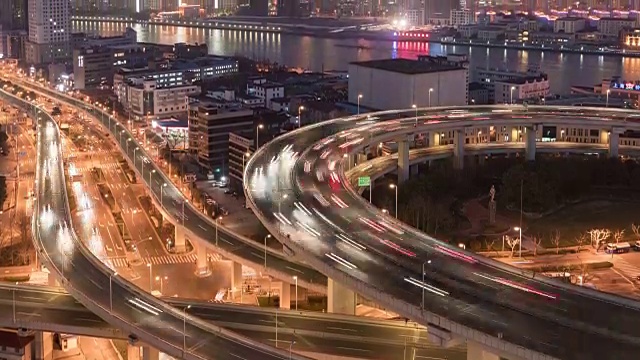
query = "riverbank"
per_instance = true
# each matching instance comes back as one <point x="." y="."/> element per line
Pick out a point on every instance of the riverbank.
<point x="320" y="32"/>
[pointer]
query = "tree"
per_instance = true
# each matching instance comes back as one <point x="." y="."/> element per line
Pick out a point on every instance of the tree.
<point x="555" y="240"/>
<point x="580" y="240"/>
<point x="618" y="235"/>
<point x="636" y="230"/>
<point x="536" y="242"/>
<point x="489" y="245"/>
<point x="512" y="242"/>
<point x="598" y="236"/>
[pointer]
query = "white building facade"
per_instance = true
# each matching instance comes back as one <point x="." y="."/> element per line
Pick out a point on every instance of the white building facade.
<point x="401" y="83"/>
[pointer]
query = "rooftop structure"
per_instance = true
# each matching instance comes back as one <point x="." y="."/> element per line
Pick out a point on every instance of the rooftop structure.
<point x="407" y="66"/>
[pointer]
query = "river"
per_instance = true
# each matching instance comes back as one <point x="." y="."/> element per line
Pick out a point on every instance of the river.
<point x="334" y="54"/>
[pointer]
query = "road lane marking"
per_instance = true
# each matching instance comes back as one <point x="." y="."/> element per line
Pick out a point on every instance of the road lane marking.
<point x="296" y="270"/>
<point x="27" y="314"/>
<point x="352" y="349"/>
<point x="343" y="329"/>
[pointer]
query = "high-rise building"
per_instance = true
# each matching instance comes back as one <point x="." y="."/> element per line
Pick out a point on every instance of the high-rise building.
<point x="13" y="21"/>
<point x="49" y="31"/>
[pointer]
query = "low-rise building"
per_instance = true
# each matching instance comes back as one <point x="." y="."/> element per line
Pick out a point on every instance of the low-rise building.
<point x="503" y="85"/>
<point x="268" y="91"/>
<point x="631" y="38"/>
<point x="400" y="83"/>
<point x="545" y="37"/>
<point x="468" y="31"/>
<point x="146" y="99"/>
<point x="611" y="27"/>
<point x="569" y="25"/>
<point x="462" y="17"/>
<point x="96" y="65"/>
<point x="491" y="33"/>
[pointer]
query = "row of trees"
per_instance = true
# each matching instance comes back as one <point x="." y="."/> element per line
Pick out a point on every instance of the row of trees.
<point x="432" y="201"/>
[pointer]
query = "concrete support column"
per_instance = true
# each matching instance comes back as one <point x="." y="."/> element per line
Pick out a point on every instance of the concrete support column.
<point x="43" y="345"/>
<point x="614" y="142"/>
<point x="133" y="352"/>
<point x="403" y="160"/>
<point x="458" y="149"/>
<point x="340" y="300"/>
<point x="180" y="239"/>
<point x="515" y="134"/>
<point x="530" y="143"/>
<point x="475" y="351"/>
<point x="150" y="353"/>
<point x="202" y="263"/>
<point x="236" y="278"/>
<point x="284" y="290"/>
<point x="415" y="169"/>
<point x="350" y="162"/>
<point x="51" y="280"/>
<point x="361" y="158"/>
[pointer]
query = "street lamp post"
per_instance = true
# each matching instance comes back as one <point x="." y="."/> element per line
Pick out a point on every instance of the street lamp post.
<point x="161" y="192"/>
<point x="217" y="219"/>
<point x="111" y="290"/>
<point x="150" y="277"/>
<point x="519" y="230"/>
<point x="359" y="97"/>
<point x="423" y="274"/>
<point x="151" y="172"/>
<point x="430" y="91"/>
<point x="295" y="278"/>
<point x="258" y="135"/>
<point x="300" y="108"/>
<point x="184" y="328"/>
<point x="395" y="187"/>
<point x="161" y="278"/>
<point x="265" y="250"/>
<point x="245" y="155"/>
<point x="608" y="92"/>
<point x="512" y="88"/>
<point x="290" y="346"/>
<point x="416" y="109"/>
<point x="134" y="155"/>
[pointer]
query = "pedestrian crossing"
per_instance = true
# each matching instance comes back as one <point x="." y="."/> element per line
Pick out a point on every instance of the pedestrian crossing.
<point x="101" y="165"/>
<point x="121" y="262"/>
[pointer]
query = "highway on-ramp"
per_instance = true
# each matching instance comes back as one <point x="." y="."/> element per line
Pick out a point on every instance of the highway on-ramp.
<point x="297" y="188"/>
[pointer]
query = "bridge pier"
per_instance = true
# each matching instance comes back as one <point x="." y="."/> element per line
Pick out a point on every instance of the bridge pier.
<point x="458" y="149"/>
<point x="530" y="143"/>
<point x="236" y="278"/>
<point x="51" y="280"/>
<point x="515" y="134"/>
<point x="202" y="263"/>
<point x="614" y="142"/>
<point x="285" y="294"/>
<point x="43" y="345"/>
<point x="180" y="242"/>
<point x="361" y="158"/>
<point x="340" y="300"/>
<point x="403" y="160"/>
<point x="475" y="351"/>
<point x="145" y="352"/>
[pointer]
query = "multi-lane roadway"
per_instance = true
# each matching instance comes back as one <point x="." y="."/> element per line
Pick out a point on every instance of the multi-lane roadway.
<point x="173" y="331"/>
<point x="298" y="189"/>
<point x="312" y="332"/>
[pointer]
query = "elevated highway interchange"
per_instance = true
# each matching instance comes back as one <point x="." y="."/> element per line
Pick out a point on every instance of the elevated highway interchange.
<point x="463" y="288"/>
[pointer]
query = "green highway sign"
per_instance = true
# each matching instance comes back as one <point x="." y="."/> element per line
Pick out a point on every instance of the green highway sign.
<point x="364" y="181"/>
